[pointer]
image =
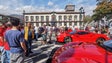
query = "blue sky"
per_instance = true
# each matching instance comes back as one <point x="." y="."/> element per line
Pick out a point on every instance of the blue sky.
<point x="17" y="6"/>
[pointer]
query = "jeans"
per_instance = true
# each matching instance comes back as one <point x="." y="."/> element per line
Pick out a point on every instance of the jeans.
<point x="2" y="54"/>
<point x="28" y="45"/>
<point x="7" y="56"/>
<point x="36" y="36"/>
<point x="44" y="36"/>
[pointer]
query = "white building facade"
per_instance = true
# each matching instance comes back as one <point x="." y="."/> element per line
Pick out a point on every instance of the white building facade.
<point x="67" y="18"/>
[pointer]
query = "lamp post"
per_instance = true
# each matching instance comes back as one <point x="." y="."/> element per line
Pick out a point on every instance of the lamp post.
<point x="80" y="17"/>
<point x="24" y="17"/>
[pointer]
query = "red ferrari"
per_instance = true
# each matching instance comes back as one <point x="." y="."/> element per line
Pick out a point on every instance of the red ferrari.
<point x="83" y="36"/>
<point x="84" y="53"/>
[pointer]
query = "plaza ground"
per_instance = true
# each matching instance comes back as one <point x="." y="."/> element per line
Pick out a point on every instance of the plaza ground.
<point x="41" y="53"/>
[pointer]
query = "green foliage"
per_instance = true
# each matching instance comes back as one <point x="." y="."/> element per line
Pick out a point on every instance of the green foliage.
<point x="104" y="7"/>
<point x="88" y="18"/>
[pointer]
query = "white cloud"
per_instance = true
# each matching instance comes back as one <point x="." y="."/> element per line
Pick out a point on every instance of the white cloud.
<point x="89" y="9"/>
<point x="8" y="6"/>
<point x="78" y="1"/>
<point x="3" y="7"/>
<point x="57" y="8"/>
<point x="17" y="7"/>
<point x="50" y="3"/>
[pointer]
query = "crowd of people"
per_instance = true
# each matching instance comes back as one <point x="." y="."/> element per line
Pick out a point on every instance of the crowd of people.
<point x="100" y="30"/>
<point x="16" y="39"/>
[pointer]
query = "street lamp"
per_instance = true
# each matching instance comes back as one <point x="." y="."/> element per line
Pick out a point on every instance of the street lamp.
<point x="80" y="17"/>
<point x="24" y="17"/>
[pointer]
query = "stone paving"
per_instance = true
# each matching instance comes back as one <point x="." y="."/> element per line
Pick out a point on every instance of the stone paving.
<point x="41" y="52"/>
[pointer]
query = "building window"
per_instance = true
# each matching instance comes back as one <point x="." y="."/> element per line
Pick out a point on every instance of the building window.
<point x="75" y="18"/>
<point x="42" y="18"/>
<point x="60" y="24"/>
<point x="47" y="18"/>
<point x="70" y="18"/>
<point x="60" y="18"/>
<point x="65" y="18"/>
<point x="75" y="23"/>
<point x="42" y="23"/>
<point x="37" y="18"/>
<point x="80" y="23"/>
<point x="70" y="23"/>
<point x="65" y="24"/>
<point x="32" y="18"/>
<point x="37" y="24"/>
<point x="53" y="17"/>
<point x="32" y="23"/>
<point x="27" y="18"/>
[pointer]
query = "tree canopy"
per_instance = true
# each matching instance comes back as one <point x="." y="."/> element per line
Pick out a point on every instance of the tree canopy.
<point x="104" y="7"/>
<point x="88" y="18"/>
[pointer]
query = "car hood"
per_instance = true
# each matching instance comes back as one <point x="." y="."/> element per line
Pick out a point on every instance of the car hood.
<point x="83" y="53"/>
<point x="64" y="34"/>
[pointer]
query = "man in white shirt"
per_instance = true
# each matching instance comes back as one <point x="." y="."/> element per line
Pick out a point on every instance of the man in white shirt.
<point x="36" y="33"/>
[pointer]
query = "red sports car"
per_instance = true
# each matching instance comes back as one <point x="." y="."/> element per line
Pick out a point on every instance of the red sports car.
<point x="83" y="36"/>
<point x="84" y="53"/>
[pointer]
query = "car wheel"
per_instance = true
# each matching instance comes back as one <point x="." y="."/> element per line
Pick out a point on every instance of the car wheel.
<point x="67" y="39"/>
<point x="51" y="55"/>
<point x="100" y="40"/>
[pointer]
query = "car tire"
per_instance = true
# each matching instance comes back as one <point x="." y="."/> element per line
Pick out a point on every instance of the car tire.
<point x="67" y="39"/>
<point x="51" y="55"/>
<point x="100" y="40"/>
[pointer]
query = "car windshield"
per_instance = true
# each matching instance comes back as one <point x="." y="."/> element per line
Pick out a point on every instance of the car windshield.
<point x="82" y="33"/>
<point x="108" y="45"/>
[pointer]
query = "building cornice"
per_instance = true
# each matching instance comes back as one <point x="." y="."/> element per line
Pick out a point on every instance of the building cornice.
<point x="34" y="13"/>
<point x="51" y="21"/>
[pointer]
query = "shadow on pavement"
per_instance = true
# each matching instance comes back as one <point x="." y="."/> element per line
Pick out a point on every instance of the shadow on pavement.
<point x="38" y="58"/>
<point x="51" y="55"/>
<point x="42" y="54"/>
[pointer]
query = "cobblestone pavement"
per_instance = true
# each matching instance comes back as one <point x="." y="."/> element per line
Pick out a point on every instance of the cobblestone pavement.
<point x="41" y="53"/>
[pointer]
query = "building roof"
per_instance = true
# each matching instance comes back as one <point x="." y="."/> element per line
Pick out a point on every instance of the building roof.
<point x="70" y="7"/>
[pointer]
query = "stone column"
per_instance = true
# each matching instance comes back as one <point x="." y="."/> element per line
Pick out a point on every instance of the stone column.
<point x="67" y="24"/>
<point x="62" y="23"/>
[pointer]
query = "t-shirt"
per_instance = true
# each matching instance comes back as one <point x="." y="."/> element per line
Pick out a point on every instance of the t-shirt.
<point x="36" y="29"/>
<point x="1" y="31"/>
<point x="6" y="45"/>
<point x="14" y="37"/>
<point x="1" y="35"/>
